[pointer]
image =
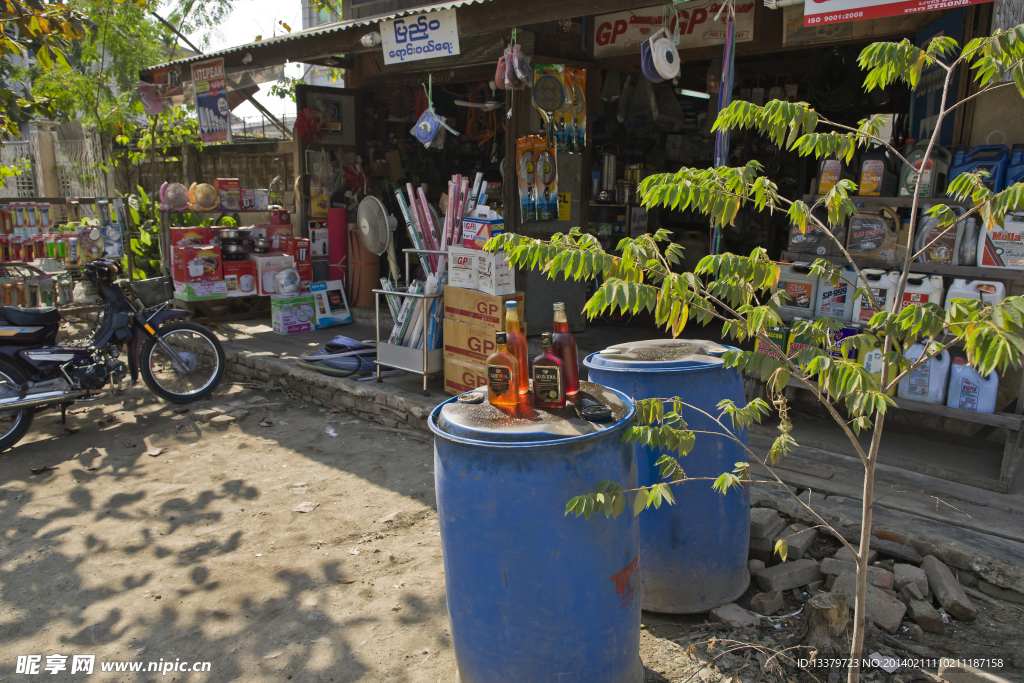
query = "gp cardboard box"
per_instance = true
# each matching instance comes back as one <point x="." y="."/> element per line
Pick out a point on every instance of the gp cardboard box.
<point x="200" y="291"/>
<point x="240" y="278"/>
<point x="480" y="226"/>
<point x="469" y="343"/>
<point x="292" y="313"/>
<point x="476" y="308"/>
<point x="462" y="268"/>
<point x="462" y="376"/>
<point x="267" y="266"/>
<point x="330" y="307"/>
<point x="197" y="264"/>
<point x="494" y="276"/>
<point x="318" y="243"/>
<point x="186" y="237"/>
<point x="230" y="193"/>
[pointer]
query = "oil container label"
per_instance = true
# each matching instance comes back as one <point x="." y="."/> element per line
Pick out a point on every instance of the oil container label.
<point x="866" y="309"/>
<point x="830" y="172"/>
<point x="778" y="336"/>
<point x="799" y="293"/>
<point x="910" y="179"/>
<point x="871" y="175"/>
<point x="499" y="379"/>
<point x="866" y="234"/>
<point x="873" y="361"/>
<point x="833" y="301"/>
<point x="548" y="385"/>
<point x="1005" y="248"/>
<point x="969" y="394"/>
<point x="920" y="380"/>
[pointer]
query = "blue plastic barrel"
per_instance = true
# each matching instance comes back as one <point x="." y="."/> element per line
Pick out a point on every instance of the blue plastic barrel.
<point x="693" y="553"/>
<point x="534" y="595"/>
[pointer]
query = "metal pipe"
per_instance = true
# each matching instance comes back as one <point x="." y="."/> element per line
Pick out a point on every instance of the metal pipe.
<point x="46" y="398"/>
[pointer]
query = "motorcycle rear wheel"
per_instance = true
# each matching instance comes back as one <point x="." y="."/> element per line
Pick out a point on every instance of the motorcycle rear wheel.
<point x="14" y="424"/>
<point x="196" y="344"/>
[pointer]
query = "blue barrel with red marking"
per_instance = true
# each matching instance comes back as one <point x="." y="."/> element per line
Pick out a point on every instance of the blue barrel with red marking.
<point x="533" y="594"/>
<point x="693" y="553"/>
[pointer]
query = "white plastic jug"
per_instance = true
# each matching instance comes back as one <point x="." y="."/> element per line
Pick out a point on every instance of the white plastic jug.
<point x="923" y="289"/>
<point x="968" y="390"/>
<point x="927" y="383"/>
<point x="988" y="291"/>
<point x="796" y="280"/>
<point x="837" y="301"/>
<point x="883" y="286"/>
<point x="871" y="359"/>
<point x="1002" y="247"/>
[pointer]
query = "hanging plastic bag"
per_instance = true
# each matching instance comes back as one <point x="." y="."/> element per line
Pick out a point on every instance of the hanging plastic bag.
<point x="611" y="91"/>
<point x="625" y="99"/>
<point x="643" y="109"/>
<point x="670" y="115"/>
<point x="522" y="66"/>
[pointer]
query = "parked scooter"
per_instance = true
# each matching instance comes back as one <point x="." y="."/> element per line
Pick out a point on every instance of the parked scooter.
<point x="181" y="362"/>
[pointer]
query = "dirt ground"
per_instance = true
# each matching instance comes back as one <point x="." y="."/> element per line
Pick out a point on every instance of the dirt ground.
<point x="160" y="538"/>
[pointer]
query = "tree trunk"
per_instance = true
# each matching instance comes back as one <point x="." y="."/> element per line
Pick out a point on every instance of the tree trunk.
<point x="860" y="605"/>
<point x="828" y="615"/>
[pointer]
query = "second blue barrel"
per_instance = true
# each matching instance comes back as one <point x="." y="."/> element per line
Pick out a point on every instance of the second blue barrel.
<point x="693" y="553"/>
<point x="533" y="594"/>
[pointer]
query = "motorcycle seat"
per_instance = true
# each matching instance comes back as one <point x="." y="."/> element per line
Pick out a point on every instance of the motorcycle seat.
<point x="30" y="316"/>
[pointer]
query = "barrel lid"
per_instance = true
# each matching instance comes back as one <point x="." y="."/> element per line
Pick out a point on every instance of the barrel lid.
<point x="664" y="354"/>
<point x="597" y="408"/>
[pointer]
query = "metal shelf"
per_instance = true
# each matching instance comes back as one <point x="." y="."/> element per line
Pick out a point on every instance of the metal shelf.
<point x="971" y="272"/>
<point x="898" y="202"/>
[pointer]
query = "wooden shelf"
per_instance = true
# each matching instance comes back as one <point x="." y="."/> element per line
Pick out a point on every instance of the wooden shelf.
<point x="898" y="202"/>
<point x="971" y="272"/>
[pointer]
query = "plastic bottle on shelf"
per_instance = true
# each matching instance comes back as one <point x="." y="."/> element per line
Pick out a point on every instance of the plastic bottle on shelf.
<point x="802" y="287"/>
<point x="968" y="390"/>
<point x="836" y="301"/>
<point x="923" y="289"/>
<point x="830" y="172"/>
<point x="991" y="158"/>
<point x="883" y="286"/>
<point x="927" y="383"/>
<point x="871" y="359"/>
<point x="934" y="174"/>
<point x="1015" y="170"/>
<point x="987" y="291"/>
<point x="877" y="174"/>
<point x="1002" y="247"/>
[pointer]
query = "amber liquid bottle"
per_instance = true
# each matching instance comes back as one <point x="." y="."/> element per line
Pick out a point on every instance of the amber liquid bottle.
<point x="564" y="346"/>
<point x="502" y="375"/>
<point x="517" y="345"/>
<point x="548" y="374"/>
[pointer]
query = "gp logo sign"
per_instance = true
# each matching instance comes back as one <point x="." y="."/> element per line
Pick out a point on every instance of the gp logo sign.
<point x="623" y="32"/>
<point x="421" y="36"/>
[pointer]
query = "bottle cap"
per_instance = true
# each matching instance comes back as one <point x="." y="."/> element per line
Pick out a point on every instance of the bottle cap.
<point x="511" y="304"/>
<point x="559" y="306"/>
<point x="545" y="340"/>
<point x="499" y="338"/>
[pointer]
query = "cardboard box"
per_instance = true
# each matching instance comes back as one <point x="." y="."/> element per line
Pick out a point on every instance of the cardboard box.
<point x="319" y="242"/>
<point x="292" y="314"/>
<point x="184" y="237"/>
<point x="305" y="270"/>
<point x="197" y="264"/>
<point x="279" y="217"/>
<point x="480" y="226"/>
<point x="248" y="200"/>
<point x="467" y="343"/>
<point x="268" y="265"/>
<point x="262" y="199"/>
<point x="477" y="308"/>
<point x="462" y="268"/>
<point x="230" y="193"/>
<point x="462" y="376"/>
<point x="494" y="276"/>
<point x="200" y="291"/>
<point x="272" y="232"/>
<point x="296" y="246"/>
<point x="240" y="278"/>
<point x="330" y="306"/>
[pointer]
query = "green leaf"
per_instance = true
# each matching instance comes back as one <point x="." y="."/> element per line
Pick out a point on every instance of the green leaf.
<point x="782" y="548"/>
<point x="640" y="502"/>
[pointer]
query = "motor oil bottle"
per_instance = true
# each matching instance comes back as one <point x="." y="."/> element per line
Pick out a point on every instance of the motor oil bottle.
<point x="871" y="359"/>
<point x="877" y="174"/>
<point x="874" y="233"/>
<point x="796" y="280"/>
<point x="937" y="245"/>
<point x="968" y="390"/>
<point x="934" y="172"/>
<point x="814" y="241"/>
<point x="926" y="383"/>
<point x="990" y="158"/>
<point x="988" y="292"/>
<point x="1015" y="170"/>
<point x="1002" y="247"/>
<point x="923" y="289"/>
<point x="966" y="250"/>
<point x="836" y="301"/>
<point x="830" y="172"/>
<point x="883" y="285"/>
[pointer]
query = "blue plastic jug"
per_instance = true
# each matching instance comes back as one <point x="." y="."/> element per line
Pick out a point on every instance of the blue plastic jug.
<point x="991" y="158"/>
<point x="1015" y="171"/>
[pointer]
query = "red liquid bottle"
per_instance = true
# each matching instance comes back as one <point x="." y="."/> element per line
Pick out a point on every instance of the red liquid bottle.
<point x="517" y="345"/>
<point x="548" y="374"/>
<point x="564" y="346"/>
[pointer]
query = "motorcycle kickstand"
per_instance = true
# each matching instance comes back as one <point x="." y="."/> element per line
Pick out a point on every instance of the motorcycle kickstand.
<point x="63" y="413"/>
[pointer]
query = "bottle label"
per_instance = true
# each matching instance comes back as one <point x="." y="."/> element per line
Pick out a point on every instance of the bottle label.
<point x="499" y="379"/>
<point x="548" y="384"/>
<point x="871" y="175"/>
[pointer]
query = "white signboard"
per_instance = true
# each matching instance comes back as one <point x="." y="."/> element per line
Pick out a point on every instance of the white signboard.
<point x="820" y="12"/>
<point x="421" y="36"/>
<point x="622" y="32"/>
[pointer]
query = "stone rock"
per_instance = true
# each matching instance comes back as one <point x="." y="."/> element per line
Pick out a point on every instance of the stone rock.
<point x="947" y="590"/>
<point x="1002" y="593"/>
<point x="789" y="575"/>
<point x="913" y="630"/>
<point x="910" y="592"/>
<point x="767" y="604"/>
<point x="890" y="592"/>
<point x="896" y="550"/>
<point x="902" y="574"/>
<point x="884" y="610"/>
<point x="876" y="576"/>
<point x="734" y="616"/>
<point x="204" y="415"/>
<point x="223" y="420"/>
<point x="763" y="521"/>
<point x="926" y="616"/>
<point x="239" y="414"/>
<point x="767" y="544"/>
<point x="754" y="566"/>
<point x="799" y="540"/>
<point x="815" y="586"/>
<point x="968" y="674"/>
<point x="846" y="556"/>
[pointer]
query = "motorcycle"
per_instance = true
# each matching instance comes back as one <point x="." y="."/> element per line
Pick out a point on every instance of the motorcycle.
<point x="179" y="361"/>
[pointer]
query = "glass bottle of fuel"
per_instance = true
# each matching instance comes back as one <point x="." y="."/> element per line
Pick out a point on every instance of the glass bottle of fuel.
<point x="502" y="375"/>
<point x="548" y="374"/>
<point x="517" y="344"/>
<point x="564" y="346"/>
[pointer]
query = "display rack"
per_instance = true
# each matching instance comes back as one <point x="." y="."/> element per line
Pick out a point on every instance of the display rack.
<point x="417" y="361"/>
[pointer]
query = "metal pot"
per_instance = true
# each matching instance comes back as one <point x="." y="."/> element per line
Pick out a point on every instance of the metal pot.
<point x="261" y="245"/>
<point x="234" y="252"/>
<point x="232" y="234"/>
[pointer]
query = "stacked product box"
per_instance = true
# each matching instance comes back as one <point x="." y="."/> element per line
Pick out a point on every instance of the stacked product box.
<point x="471" y="318"/>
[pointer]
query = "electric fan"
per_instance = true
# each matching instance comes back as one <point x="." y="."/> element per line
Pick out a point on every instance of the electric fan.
<point x="376" y="227"/>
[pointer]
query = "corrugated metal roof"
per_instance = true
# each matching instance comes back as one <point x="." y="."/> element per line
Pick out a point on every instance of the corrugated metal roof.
<point x="336" y="27"/>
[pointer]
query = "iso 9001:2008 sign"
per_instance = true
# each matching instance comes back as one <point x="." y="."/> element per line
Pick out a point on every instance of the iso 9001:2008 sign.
<point x="421" y="36"/>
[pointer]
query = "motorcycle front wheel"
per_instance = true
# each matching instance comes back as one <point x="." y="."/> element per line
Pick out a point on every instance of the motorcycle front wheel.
<point x="14" y="424"/>
<point x="203" y="360"/>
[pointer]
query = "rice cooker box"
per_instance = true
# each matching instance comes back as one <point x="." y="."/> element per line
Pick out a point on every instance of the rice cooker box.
<point x="267" y="267"/>
<point x="230" y="193"/>
<point x="240" y="278"/>
<point x="184" y="237"/>
<point x="292" y="313"/>
<point x="197" y="263"/>
<point x="200" y="291"/>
